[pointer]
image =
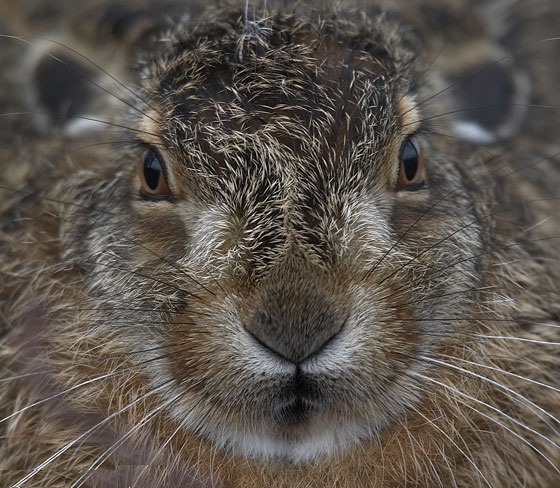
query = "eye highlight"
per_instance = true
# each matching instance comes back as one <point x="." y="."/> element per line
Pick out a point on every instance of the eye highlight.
<point x="152" y="176"/>
<point x="411" y="161"/>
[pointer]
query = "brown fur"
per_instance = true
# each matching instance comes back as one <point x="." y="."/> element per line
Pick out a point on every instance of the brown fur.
<point x="134" y="330"/>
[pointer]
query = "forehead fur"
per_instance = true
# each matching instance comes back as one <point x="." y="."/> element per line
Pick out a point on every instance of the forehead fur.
<point x="284" y="89"/>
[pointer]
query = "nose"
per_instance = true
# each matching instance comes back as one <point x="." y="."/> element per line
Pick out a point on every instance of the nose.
<point x="295" y="323"/>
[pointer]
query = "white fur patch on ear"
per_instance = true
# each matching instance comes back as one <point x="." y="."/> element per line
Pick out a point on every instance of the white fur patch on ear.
<point x="473" y="132"/>
<point x="83" y="126"/>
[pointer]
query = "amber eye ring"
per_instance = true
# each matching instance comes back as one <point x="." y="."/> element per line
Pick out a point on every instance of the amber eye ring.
<point x="152" y="176"/>
<point x="411" y="165"/>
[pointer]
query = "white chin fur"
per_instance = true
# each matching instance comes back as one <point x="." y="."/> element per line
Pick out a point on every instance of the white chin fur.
<point x="312" y="446"/>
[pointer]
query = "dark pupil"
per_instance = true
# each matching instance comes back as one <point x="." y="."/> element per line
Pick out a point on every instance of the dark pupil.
<point x="410" y="160"/>
<point x="152" y="170"/>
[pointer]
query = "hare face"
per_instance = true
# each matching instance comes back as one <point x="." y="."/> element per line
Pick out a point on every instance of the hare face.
<point x="279" y="253"/>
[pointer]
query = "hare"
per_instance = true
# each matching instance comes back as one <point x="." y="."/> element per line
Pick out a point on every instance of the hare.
<point x="280" y="245"/>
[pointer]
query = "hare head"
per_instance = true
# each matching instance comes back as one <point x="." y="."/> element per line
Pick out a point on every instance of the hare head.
<point x="279" y="261"/>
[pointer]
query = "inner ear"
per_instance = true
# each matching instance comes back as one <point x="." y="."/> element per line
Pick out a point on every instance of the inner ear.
<point x="489" y="94"/>
<point x="61" y="89"/>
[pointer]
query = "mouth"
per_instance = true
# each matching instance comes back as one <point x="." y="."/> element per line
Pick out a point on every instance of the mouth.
<point x="298" y="401"/>
<point x="293" y="413"/>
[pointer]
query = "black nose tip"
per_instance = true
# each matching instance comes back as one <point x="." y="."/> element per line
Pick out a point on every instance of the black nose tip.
<point x="295" y="324"/>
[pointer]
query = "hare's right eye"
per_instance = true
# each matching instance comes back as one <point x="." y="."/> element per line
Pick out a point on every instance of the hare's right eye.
<point x="411" y="170"/>
<point x="152" y="176"/>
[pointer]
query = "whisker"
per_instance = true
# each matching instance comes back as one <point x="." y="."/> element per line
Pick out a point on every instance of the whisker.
<point x="449" y="294"/>
<point x="135" y="242"/>
<point x="463" y="228"/>
<point x="468" y="457"/>
<point x="142" y="275"/>
<point x="77" y="386"/>
<point x="122" y="143"/>
<point x="173" y="347"/>
<point x="502" y="371"/>
<point x="469" y="109"/>
<point x="116" y="445"/>
<point x="432" y="132"/>
<point x="158" y="452"/>
<point x="438" y="202"/>
<point x="81" y="117"/>
<point x="502" y="414"/>
<point x="414" y="456"/>
<point x="521" y="339"/>
<point x="18" y="377"/>
<point x="86" y="434"/>
<point x="493" y="382"/>
<point x="123" y="323"/>
<point x="474" y="319"/>
<point x="437" y="271"/>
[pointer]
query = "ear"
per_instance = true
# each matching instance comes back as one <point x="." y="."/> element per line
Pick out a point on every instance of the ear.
<point x="489" y="94"/>
<point x="66" y="91"/>
<point x="62" y="89"/>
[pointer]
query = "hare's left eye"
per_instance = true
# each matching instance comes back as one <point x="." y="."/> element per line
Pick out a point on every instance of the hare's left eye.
<point x="152" y="176"/>
<point x="411" y="170"/>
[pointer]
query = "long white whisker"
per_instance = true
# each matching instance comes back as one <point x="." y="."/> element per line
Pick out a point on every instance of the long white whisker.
<point x="468" y="456"/>
<point x="501" y="413"/>
<point x="493" y="382"/>
<point x="83" y="478"/>
<point x="503" y="371"/>
<point x="85" y="434"/>
<point x="64" y="392"/>
<point x="521" y="339"/>
<point x="165" y="444"/>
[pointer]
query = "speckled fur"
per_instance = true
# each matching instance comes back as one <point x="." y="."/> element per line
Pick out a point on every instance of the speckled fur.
<point x="131" y="351"/>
